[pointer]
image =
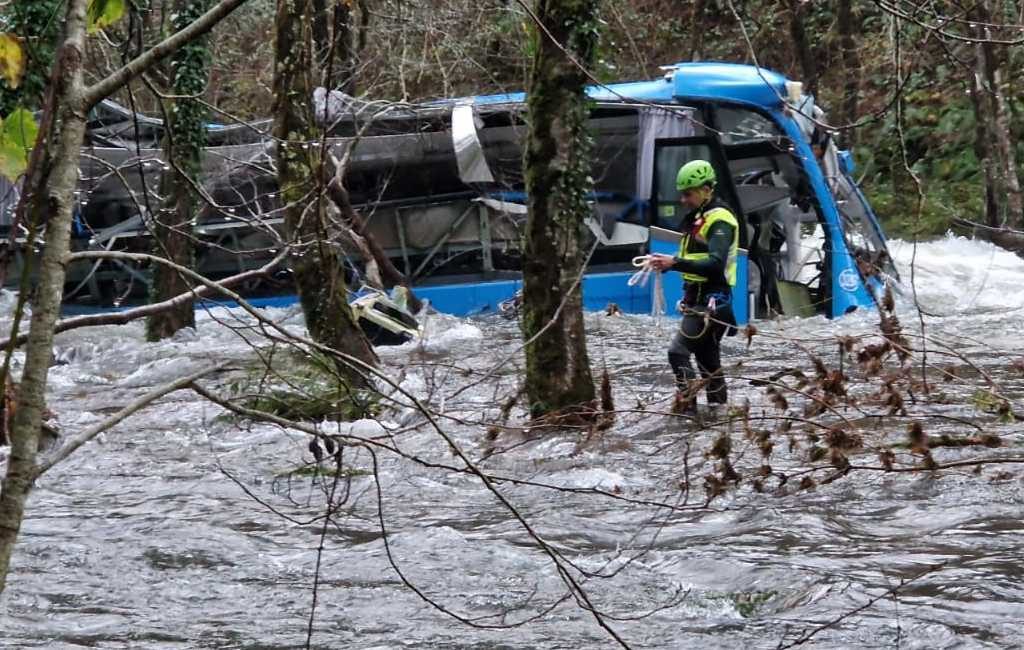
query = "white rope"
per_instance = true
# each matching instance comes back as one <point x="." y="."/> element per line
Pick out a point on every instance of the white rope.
<point x="643" y="263"/>
<point x="658" y="301"/>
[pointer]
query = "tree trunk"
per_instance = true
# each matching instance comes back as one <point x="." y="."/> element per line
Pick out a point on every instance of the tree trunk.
<point x="1001" y="139"/>
<point x="1007" y="155"/>
<point x="316" y="262"/>
<point x="183" y="149"/>
<point x="983" y="137"/>
<point x="333" y="43"/>
<point x="808" y="64"/>
<point x="334" y="47"/>
<point x="53" y="193"/>
<point x="556" y="171"/>
<point x="50" y="184"/>
<point x="851" y="69"/>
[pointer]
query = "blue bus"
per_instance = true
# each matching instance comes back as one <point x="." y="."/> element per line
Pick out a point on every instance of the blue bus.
<point x="441" y="187"/>
<point x="810" y="242"/>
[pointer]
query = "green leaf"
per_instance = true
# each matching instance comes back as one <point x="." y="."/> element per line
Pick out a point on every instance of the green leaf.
<point x="18" y="135"/>
<point x="12" y="59"/>
<point x="104" y="13"/>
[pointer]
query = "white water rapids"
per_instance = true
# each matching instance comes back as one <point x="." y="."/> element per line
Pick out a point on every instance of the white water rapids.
<point x="141" y="539"/>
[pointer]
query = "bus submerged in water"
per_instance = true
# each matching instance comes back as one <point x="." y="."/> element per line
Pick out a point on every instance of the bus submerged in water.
<point x="778" y="170"/>
<point x="442" y="189"/>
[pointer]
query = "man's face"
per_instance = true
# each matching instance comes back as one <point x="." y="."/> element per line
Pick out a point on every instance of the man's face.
<point x="693" y="199"/>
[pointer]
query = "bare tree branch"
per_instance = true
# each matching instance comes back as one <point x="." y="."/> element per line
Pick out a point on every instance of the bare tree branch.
<point x="845" y="615"/>
<point x="129" y="315"/>
<point x="88" y="434"/>
<point x="105" y="87"/>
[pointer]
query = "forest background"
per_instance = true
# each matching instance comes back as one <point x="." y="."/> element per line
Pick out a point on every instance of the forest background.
<point x="929" y="88"/>
<point x="933" y="91"/>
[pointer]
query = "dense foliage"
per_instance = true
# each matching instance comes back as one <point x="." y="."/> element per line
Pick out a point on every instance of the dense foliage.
<point x="36" y="22"/>
<point x="422" y="50"/>
<point x="846" y="49"/>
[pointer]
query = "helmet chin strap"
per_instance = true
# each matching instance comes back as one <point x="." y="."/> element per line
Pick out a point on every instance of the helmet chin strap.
<point x="709" y="196"/>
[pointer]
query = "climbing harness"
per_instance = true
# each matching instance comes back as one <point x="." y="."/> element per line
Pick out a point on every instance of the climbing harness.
<point x="715" y="302"/>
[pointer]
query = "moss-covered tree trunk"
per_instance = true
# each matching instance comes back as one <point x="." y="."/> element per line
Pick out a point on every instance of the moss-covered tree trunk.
<point x="183" y="149"/>
<point x="556" y="165"/>
<point x="316" y="262"/>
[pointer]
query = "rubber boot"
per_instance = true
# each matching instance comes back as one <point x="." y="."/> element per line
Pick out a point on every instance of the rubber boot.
<point x="685" y="402"/>
<point x="716" y="390"/>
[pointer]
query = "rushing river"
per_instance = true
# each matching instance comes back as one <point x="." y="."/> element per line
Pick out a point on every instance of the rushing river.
<point x="154" y="536"/>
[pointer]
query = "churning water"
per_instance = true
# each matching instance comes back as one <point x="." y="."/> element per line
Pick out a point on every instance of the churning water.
<point x="161" y="534"/>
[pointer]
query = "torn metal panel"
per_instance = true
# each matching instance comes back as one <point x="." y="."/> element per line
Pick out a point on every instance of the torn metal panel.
<point x="507" y="207"/>
<point x="468" y="151"/>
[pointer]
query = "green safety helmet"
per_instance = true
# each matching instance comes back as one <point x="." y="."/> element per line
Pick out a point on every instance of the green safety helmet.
<point x="694" y="174"/>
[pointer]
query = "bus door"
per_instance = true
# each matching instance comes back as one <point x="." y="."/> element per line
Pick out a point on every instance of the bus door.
<point x="666" y="212"/>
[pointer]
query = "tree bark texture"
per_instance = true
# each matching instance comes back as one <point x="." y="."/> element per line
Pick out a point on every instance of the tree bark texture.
<point x="802" y="45"/>
<point x="50" y="184"/>
<point x="183" y="149"/>
<point x="983" y="139"/>
<point x="556" y="168"/>
<point x="53" y="195"/>
<point x="316" y="261"/>
<point x="1003" y="141"/>
<point x="851" y="67"/>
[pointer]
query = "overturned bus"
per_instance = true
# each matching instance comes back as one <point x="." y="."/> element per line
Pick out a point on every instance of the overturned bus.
<point x="442" y="189"/>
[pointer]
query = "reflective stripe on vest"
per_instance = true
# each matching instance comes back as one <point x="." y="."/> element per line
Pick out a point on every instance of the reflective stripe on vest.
<point x="711" y="217"/>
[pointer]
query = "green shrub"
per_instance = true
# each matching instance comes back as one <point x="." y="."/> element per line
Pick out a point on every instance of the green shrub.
<point x="303" y="387"/>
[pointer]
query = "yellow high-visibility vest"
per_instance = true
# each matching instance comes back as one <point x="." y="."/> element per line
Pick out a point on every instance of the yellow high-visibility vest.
<point x="694" y="247"/>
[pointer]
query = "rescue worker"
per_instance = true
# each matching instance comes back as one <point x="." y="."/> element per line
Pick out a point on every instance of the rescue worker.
<point x="707" y="260"/>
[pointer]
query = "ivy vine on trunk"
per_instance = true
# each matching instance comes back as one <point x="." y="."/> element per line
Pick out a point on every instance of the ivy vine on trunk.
<point x="316" y="262"/>
<point x="184" y="139"/>
<point x="50" y="183"/>
<point x="557" y="170"/>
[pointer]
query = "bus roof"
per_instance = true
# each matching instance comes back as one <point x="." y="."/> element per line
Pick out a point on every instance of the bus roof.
<point x="684" y="82"/>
